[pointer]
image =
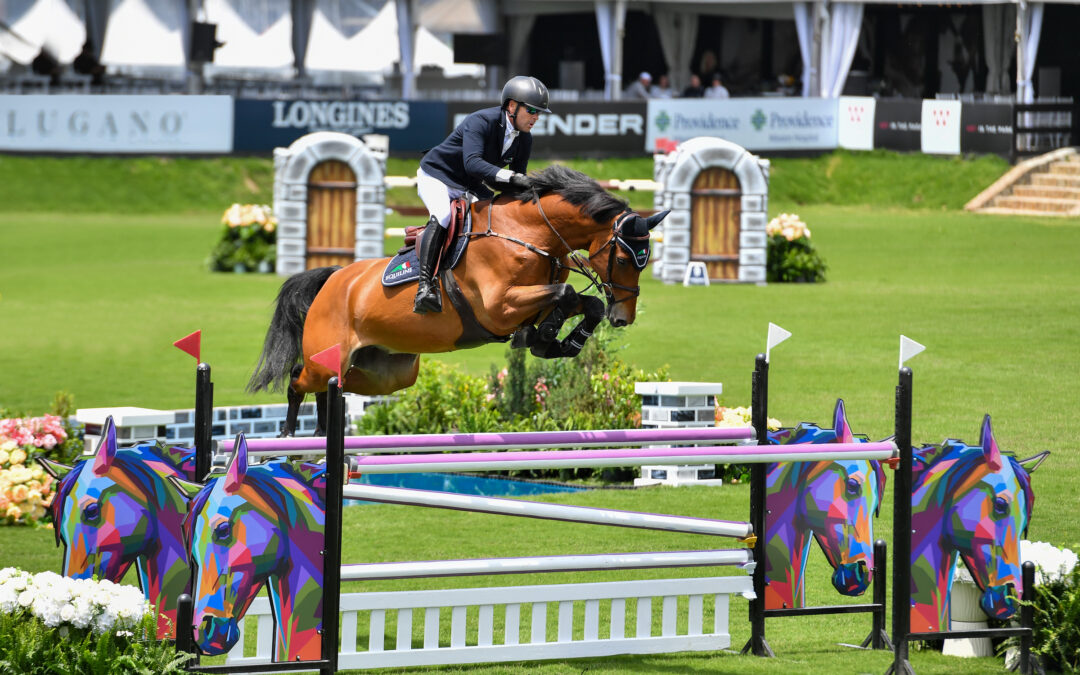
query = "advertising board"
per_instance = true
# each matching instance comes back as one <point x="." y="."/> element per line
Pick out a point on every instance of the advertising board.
<point x="754" y="123"/>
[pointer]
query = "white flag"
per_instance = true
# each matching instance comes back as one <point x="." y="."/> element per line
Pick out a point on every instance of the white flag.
<point x="908" y="348"/>
<point x="776" y="336"/>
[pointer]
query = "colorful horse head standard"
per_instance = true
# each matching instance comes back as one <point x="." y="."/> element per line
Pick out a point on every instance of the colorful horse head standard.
<point x="255" y="526"/>
<point x="830" y="501"/>
<point x="116" y="508"/>
<point x="973" y="503"/>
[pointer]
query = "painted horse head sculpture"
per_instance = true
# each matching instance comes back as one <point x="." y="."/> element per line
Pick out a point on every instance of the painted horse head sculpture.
<point x="116" y="508"/>
<point x="512" y="278"/>
<point x="971" y="503"/>
<point x="832" y="502"/>
<point x="253" y="526"/>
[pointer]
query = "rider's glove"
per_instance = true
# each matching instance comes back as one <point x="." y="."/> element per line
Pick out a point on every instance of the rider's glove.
<point x="520" y="181"/>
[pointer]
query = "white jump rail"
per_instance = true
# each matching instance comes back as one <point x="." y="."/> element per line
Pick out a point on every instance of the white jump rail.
<point x="590" y="619"/>
<point x="545" y="511"/>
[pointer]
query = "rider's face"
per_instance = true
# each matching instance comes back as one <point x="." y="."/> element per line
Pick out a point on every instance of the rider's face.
<point x="523" y="120"/>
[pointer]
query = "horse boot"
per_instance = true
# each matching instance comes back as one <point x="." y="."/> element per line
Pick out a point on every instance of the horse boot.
<point x="428" y="295"/>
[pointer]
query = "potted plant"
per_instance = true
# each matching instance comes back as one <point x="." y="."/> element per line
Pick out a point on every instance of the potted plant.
<point x="791" y="255"/>
<point x="248" y="240"/>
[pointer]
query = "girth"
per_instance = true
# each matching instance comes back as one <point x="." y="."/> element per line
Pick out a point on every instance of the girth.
<point x="472" y="333"/>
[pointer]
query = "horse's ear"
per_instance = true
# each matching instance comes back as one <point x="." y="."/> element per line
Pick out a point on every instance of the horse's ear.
<point x="234" y="475"/>
<point x="1035" y="461"/>
<point x="655" y="218"/>
<point x="186" y="488"/>
<point x="106" y="450"/>
<point x="840" y="423"/>
<point x="53" y="468"/>
<point x="990" y="446"/>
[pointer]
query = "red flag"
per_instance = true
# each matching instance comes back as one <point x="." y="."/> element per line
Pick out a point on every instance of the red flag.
<point x="330" y="358"/>
<point x="190" y="344"/>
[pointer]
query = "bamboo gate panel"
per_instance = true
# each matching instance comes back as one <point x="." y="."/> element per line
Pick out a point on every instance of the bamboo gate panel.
<point x="331" y="226"/>
<point x="714" y="236"/>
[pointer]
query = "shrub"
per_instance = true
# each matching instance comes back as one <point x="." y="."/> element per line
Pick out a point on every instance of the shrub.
<point x="248" y="240"/>
<point x="791" y="256"/>
<point x="1056" y="605"/>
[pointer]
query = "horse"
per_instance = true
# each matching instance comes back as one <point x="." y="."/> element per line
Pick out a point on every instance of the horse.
<point x="251" y="527"/>
<point x="833" y="501"/>
<point x="115" y="508"/>
<point x="512" y="278"/>
<point x="972" y="503"/>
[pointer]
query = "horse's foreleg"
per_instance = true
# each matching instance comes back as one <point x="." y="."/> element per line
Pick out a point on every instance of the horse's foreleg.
<point x="566" y="300"/>
<point x="570" y="346"/>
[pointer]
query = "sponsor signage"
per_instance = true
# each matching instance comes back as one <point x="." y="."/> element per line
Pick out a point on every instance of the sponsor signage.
<point x="413" y="126"/>
<point x="940" y="127"/>
<point x="856" y="122"/>
<point x="754" y="123"/>
<point x="577" y="129"/>
<point x="116" y="124"/>
<point x="986" y="128"/>
<point x="898" y="124"/>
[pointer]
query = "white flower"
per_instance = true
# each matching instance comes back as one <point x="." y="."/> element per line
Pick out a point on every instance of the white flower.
<point x="1051" y="563"/>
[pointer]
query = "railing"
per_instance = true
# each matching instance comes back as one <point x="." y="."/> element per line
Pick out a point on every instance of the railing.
<point x="1044" y="126"/>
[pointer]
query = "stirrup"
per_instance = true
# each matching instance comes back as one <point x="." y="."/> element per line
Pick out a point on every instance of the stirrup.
<point x="428" y="299"/>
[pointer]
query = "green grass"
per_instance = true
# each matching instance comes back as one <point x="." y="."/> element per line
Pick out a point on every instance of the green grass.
<point x="101" y="269"/>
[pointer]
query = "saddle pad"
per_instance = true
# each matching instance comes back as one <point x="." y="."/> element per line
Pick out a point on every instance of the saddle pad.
<point x="405" y="266"/>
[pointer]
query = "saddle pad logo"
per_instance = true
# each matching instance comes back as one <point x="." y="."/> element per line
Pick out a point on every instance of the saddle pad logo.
<point x="404" y="269"/>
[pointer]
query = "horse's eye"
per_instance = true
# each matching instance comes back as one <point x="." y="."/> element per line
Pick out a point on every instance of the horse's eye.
<point x="1001" y="506"/>
<point x="92" y="513"/>
<point x="853" y="487"/>
<point x="223" y="531"/>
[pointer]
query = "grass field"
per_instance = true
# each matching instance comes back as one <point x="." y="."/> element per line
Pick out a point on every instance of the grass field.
<point x="97" y="279"/>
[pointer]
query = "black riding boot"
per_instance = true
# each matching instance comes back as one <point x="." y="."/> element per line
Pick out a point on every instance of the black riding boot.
<point x="428" y="296"/>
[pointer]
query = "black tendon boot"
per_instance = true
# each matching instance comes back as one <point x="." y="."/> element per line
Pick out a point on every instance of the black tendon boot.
<point x="428" y="296"/>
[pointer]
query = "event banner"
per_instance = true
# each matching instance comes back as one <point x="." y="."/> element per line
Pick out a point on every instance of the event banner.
<point x="578" y="129"/>
<point x="754" y="123"/>
<point x="116" y="124"/>
<point x="413" y="126"/>
<point x="986" y="128"/>
<point x="898" y="124"/>
<point x="856" y="118"/>
<point x="940" y="127"/>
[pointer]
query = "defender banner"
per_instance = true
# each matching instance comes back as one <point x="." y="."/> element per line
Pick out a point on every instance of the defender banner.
<point x="577" y="129"/>
<point x="413" y="126"/>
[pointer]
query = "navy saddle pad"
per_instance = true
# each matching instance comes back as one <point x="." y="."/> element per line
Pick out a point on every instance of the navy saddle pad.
<point x="405" y="266"/>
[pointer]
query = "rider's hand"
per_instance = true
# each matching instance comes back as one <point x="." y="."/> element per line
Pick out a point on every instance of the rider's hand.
<point x="520" y="181"/>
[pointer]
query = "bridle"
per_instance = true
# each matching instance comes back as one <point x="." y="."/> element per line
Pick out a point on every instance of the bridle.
<point x="580" y="265"/>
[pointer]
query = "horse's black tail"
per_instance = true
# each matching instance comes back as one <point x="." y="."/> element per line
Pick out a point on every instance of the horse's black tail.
<point x="282" y="347"/>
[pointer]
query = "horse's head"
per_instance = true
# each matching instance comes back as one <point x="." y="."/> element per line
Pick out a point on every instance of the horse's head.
<point x="616" y="238"/>
<point x="104" y="511"/>
<point x="236" y="544"/>
<point x="991" y="502"/>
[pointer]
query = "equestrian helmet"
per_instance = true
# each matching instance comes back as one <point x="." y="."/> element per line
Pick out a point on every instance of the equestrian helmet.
<point x="527" y="90"/>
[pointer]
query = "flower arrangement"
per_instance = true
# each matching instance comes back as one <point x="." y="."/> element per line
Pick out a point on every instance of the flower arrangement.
<point x="55" y="624"/>
<point x="740" y="417"/>
<point x="791" y="256"/>
<point x="248" y="240"/>
<point x="25" y="489"/>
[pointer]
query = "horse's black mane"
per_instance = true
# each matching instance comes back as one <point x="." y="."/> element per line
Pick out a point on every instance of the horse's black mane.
<point x="578" y="189"/>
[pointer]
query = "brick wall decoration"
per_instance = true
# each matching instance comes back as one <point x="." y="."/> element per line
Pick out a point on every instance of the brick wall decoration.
<point x="718" y="194"/>
<point x="335" y="183"/>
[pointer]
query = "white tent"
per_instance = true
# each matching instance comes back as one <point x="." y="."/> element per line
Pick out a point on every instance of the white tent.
<point x="146" y="37"/>
<point x="56" y="25"/>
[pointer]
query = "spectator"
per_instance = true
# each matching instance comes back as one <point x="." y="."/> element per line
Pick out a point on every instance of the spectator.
<point x="694" y="89"/>
<point x="662" y="88"/>
<point x="46" y="64"/>
<point x="640" y="88"/>
<point x="87" y="64"/>
<point x="717" y="89"/>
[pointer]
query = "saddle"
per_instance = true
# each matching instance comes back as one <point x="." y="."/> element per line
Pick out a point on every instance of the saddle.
<point x="405" y="266"/>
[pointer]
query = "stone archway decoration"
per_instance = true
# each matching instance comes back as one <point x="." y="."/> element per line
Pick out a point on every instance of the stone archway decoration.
<point x="293" y="169"/>
<point x="688" y="181"/>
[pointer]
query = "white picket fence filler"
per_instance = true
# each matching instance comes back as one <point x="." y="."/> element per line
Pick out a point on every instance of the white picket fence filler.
<point x="572" y="641"/>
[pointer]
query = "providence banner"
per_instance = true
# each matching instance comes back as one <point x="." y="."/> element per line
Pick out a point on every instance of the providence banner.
<point x="754" y="123"/>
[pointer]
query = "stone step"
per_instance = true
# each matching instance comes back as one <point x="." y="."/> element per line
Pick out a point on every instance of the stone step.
<point x="1036" y="204"/>
<point x="1068" y="168"/>
<point x="1024" y="212"/>
<point x="1052" y="191"/>
<point x="1056" y="179"/>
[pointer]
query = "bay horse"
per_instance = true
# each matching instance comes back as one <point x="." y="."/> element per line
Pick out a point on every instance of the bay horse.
<point x="832" y="502"/>
<point x="512" y="278"/>
<point x="116" y="509"/>
<point x="256" y="526"/>
<point x="969" y="503"/>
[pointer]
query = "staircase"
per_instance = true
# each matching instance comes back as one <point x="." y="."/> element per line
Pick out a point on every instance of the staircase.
<point x="1048" y="185"/>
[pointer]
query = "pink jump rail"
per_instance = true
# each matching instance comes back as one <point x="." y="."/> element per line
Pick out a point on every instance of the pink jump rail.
<point x="496" y="441"/>
<point x="554" y="459"/>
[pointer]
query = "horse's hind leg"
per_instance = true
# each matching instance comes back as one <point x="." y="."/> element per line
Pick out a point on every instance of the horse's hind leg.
<point x="320" y="413"/>
<point x="295" y="398"/>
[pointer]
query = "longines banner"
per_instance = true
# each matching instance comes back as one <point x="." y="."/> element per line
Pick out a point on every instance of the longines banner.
<point x="412" y="126"/>
<point x="577" y="129"/>
<point x="753" y="123"/>
<point x="116" y="124"/>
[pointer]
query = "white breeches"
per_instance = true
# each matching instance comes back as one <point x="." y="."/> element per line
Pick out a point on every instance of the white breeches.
<point x="436" y="196"/>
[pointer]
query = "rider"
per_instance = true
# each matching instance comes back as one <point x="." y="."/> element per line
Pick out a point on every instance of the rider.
<point x="469" y="160"/>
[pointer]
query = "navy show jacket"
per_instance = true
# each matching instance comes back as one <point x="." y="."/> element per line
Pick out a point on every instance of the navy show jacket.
<point x="472" y="154"/>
